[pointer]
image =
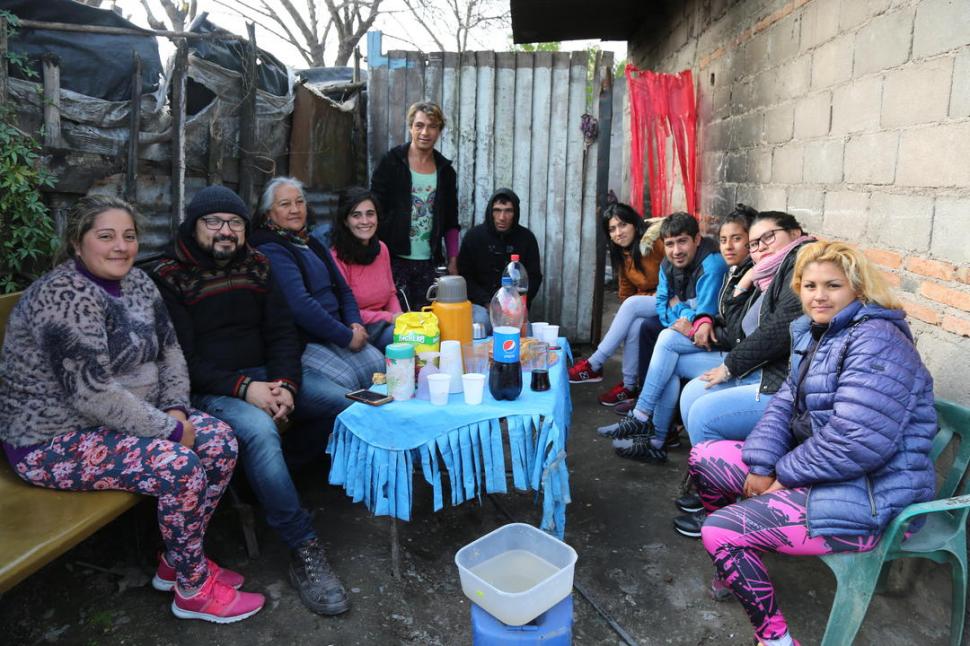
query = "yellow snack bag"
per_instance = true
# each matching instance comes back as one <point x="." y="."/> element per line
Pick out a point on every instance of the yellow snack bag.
<point x="420" y="329"/>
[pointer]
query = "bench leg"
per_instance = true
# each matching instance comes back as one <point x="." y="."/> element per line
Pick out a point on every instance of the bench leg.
<point x="248" y="521"/>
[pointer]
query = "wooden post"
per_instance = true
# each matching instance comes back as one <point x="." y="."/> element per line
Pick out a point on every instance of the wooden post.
<point x="179" y="70"/>
<point x="214" y="167"/>
<point x="52" y="101"/>
<point x="134" y="126"/>
<point x="3" y="60"/>
<point x="395" y="550"/>
<point x="247" y="120"/>
<point x="602" y="186"/>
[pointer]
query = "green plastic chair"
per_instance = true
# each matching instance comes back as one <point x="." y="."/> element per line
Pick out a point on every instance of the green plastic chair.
<point x="942" y="539"/>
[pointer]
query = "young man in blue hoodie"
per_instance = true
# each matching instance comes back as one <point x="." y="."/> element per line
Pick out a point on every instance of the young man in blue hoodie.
<point x="691" y="275"/>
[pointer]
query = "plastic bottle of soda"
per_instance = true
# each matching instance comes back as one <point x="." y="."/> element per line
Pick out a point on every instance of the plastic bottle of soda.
<point x="520" y="280"/>
<point x="507" y="312"/>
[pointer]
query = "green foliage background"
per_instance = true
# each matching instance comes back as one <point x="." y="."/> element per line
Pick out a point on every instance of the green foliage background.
<point x="27" y="232"/>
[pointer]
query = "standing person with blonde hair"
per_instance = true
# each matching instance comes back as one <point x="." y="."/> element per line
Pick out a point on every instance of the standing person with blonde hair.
<point x="418" y="190"/>
<point x="848" y="436"/>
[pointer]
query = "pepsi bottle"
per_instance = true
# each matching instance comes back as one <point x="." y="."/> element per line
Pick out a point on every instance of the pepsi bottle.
<point x="507" y="312"/>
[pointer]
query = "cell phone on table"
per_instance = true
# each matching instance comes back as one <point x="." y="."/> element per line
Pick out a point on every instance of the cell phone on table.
<point x="369" y="397"/>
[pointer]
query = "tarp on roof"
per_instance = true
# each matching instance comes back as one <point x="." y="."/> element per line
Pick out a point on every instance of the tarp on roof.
<point x="94" y="65"/>
<point x="271" y="75"/>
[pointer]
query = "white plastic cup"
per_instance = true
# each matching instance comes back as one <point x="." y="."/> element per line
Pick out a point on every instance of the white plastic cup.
<point x="474" y="387"/>
<point x="438" y="386"/>
<point x="450" y="362"/>
<point x="550" y="334"/>
<point x="537" y="329"/>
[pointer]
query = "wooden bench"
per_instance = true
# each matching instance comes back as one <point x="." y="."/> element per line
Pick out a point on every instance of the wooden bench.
<point x="37" y="525"/>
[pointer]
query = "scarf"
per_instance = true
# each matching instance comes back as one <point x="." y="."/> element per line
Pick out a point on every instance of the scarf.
<point x="765" y="270"/>
<point x="300" y="238"/>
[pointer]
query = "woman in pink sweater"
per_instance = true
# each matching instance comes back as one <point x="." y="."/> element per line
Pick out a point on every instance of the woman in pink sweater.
<point x="366" y="264"/>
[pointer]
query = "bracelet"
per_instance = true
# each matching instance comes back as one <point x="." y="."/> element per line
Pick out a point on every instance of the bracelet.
<point x="727" y="371"/>
<point x="740" y="290"/>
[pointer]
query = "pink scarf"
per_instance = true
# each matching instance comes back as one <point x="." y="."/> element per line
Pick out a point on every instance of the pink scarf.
<point x="765" y="270"/>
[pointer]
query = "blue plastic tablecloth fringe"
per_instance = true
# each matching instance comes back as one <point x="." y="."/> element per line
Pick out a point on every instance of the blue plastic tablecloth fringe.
<point x="474" y="459"/>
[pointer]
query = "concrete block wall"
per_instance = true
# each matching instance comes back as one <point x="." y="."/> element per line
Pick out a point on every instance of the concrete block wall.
<point x="853" y="115"/>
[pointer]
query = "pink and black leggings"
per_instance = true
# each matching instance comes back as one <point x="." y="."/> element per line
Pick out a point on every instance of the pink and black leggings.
<point x="187" y="482"/>
<point x="737" y="531"/>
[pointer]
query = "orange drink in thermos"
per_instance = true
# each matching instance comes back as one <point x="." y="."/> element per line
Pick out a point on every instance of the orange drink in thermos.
<point x="449" y="302"/>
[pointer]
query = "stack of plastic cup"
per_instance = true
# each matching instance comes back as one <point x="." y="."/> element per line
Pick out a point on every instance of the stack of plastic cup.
<point x="450" y="363"/>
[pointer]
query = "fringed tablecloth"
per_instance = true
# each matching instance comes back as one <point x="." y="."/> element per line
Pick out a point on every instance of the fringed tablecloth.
<point x="373" y="449"/>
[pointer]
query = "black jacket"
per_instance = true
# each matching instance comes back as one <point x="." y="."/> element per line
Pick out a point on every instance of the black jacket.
<point x="485" y="253"/>
<point x="391" y="183"/>
<point x="769" y="346"/>
<point x="228" y="318"/>
<point x="731" y="309"/>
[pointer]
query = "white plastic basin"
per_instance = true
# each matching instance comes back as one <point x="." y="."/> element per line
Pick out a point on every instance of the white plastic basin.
<point x="516" y="572"/>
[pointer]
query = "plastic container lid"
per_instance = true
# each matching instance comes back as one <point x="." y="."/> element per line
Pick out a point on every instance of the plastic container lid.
<point x="515" y="257"/>
<point x="399" y="351"/>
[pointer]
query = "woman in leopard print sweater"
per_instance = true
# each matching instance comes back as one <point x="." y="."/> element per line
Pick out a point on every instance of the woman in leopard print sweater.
<point x="94" y="394"/>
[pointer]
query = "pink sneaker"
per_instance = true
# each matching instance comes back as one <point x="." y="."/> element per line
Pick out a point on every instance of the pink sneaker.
<point x="217" y="602"/>
<point x="164" y="579"/>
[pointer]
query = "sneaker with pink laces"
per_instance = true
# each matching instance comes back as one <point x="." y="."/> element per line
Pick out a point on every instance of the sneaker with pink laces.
<point x="617" y="394"/>
<point x="164" y="579"/>
<point x="217" y="602"/>
<point x="583" y="373"/>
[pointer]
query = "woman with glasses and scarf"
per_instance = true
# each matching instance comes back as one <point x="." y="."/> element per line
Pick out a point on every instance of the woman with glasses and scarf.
<point x="322" y="303"/>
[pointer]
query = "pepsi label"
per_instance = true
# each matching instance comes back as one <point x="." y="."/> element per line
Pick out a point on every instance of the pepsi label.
<point x="505" y="344"/>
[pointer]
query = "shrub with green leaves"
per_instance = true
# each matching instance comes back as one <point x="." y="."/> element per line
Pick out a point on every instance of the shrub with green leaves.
<point x="27" y="233"/>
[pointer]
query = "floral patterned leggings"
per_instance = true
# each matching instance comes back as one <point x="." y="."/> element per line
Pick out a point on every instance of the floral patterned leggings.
<point x="737" y="531"/>
<point x="187" y="482"/>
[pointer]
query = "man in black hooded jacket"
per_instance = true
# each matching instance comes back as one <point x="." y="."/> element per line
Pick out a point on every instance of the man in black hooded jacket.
<point x="486" y="250"/>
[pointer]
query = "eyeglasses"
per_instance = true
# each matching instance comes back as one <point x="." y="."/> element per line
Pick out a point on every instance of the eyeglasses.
<point x="214" y="223"/>
<point x="766" y="239"/>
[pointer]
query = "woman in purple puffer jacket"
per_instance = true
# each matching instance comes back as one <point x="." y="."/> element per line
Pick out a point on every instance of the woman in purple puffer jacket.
<point x="841" y="449"/>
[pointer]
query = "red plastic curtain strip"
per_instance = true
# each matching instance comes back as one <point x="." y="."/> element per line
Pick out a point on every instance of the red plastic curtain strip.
<point x="662" y="106"/>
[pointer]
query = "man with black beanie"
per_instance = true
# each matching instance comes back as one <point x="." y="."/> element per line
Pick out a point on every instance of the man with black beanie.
<point x="243" y="352"/>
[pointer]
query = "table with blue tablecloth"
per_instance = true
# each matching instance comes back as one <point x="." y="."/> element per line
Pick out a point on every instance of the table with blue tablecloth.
<point x="373" y="449"/>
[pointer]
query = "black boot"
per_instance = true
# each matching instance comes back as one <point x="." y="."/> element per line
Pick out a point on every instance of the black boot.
<point x="318" y="585"/>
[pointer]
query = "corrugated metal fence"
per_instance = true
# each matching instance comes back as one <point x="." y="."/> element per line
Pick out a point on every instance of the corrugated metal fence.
<point x="513" y="120"/>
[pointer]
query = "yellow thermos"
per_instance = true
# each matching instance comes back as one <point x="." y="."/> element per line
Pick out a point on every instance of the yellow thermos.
<point x="449" y="302"/>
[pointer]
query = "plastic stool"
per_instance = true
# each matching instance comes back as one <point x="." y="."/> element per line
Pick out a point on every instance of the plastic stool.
<point x="554" y="627"/>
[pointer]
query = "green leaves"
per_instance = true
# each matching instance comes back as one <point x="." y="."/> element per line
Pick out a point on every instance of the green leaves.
<point x="27" y="235"/>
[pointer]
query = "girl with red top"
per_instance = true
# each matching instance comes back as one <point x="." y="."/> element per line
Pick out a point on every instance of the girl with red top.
<point x="365" y="263"/>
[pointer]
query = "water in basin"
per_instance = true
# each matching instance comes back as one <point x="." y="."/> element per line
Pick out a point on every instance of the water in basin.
<point x="515" y="571"/>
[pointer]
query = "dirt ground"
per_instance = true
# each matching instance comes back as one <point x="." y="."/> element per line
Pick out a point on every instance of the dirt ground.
<point x="649" y="579"/>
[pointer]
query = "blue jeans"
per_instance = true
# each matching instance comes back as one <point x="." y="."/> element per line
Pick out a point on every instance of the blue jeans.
<point x="261" y="446"/>
<point x="727" y="411"/>
<point x="381" y="334"/>
<point x="675" y="357"/>
<point x="625" y="329"/>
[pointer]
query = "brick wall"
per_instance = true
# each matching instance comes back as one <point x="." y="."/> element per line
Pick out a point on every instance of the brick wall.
<point x="853" y="115"/>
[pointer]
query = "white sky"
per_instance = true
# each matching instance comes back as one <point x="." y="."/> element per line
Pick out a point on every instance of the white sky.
<point x="393" y="23"/>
